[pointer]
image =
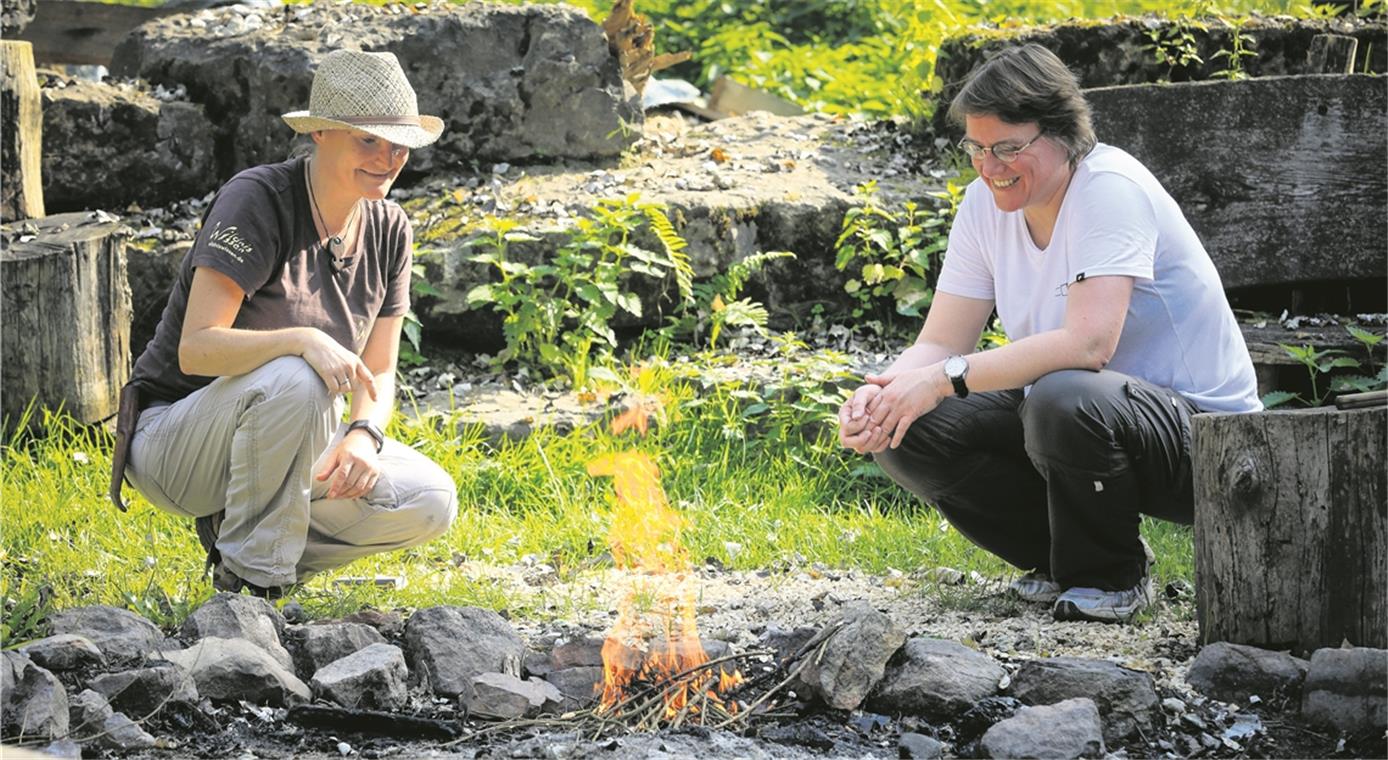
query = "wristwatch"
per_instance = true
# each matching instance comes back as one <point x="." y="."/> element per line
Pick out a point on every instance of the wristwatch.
<point x="371" y="430"/>
<point x="956" y="369"/>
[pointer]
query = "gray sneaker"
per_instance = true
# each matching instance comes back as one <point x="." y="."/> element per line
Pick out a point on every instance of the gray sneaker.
<point x="1035" y="587"/>
<point x="1082" y="603"/>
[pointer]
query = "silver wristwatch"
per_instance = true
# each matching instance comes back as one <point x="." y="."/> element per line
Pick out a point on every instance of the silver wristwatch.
<point x="956" y="369"/>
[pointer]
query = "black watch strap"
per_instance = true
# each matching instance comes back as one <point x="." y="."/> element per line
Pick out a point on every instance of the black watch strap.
<point x="371" y="430"/>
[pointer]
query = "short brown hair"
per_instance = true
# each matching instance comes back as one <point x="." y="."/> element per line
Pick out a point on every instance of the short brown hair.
<point x="1025" y="84"/>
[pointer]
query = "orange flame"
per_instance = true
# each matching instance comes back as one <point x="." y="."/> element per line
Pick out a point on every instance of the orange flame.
<point x="659" y="602"/>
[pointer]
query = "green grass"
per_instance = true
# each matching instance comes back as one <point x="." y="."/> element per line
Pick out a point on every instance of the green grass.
<point x="756" y="472"/>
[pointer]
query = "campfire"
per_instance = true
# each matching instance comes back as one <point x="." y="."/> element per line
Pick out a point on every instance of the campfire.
<point x="655" y="670"/>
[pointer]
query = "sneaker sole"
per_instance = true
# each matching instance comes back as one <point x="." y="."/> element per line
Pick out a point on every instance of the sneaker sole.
<point x="1047" y="598"/>
<point x="1069" y="611"/>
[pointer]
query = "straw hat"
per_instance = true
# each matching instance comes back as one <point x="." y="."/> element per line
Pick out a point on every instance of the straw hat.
<point x="366" y="91"/>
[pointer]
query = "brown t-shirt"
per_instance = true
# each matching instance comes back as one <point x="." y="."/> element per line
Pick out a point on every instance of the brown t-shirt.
<point x="259" y="232"/>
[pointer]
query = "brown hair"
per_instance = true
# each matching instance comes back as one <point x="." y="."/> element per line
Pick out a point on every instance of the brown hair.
<point x="1025" y="84"/>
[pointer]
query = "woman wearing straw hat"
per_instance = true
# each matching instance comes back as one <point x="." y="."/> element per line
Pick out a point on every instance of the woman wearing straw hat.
<point x="291" y="300"/>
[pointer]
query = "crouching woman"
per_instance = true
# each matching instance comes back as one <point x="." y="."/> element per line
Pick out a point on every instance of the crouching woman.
<point x="290" y="302"/>
<point x="1048" y="450"/>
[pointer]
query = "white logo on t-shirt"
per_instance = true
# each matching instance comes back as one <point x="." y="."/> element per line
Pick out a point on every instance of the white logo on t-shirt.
<point x="229" y="241"/>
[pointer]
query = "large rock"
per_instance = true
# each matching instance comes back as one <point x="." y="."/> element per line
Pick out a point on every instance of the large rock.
<point x="452" y="645"/>
<point x="510" y="83"/>
<point x="235" y="669"/>
<point x="502" y="696"/>
<point x="119" y="634"/>
<point x="108" y="146"/>
<point x="238" y="616"/>
<point x="1348" y="689"/>
<point x="147" y="691"/>
<point x="854" y="658"/>
<point x="32" y="700"/>
<point x="1126" y="698"/>
<point x="15" y="15"/>
<point x="92" y="719"/>
<point x="936" y="678"/>
<point x="63" y="652"/>
<point x="373" y="678"/>
<point x="315" y="646"/>
<point x="1121" y="52"/>
<point x="1234" y="672"/>
<point x="1067" y="729"/>
<point x="581" y="685"/>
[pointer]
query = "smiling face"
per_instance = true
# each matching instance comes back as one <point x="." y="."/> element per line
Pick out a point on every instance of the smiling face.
<point x="357" y="163"/>
<point x="1035" y="182"/>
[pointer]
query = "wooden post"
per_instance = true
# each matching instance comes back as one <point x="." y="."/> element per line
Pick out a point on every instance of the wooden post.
<point x="1331" y="54"/>
<point x="66" y="312"/>
<point x="1291" y="528"/>
<point x="21" y="122"/>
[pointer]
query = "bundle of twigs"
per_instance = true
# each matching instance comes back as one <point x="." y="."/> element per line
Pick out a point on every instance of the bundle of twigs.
<point x="646" y="709"/>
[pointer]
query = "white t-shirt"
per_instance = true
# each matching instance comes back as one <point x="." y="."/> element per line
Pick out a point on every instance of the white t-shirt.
<point x="1116" y="219"/>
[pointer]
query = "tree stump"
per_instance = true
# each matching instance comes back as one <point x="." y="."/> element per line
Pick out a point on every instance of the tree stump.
<point x="66" y="311"/>
<point x="1291" y="528"/>
<point x="21" y="125"/>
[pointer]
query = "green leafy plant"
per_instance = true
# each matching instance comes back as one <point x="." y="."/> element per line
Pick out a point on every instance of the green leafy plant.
<point x="1319" y="364"/>
<point x="411" y="352"/>
<point x="1175" y="46"/>
<point x="716" y="303"/>
<point x="1369" y="380"/>
<point x="894" y="255"/>
<point x="558" y="314"/>
<point x="1240" y="47"/>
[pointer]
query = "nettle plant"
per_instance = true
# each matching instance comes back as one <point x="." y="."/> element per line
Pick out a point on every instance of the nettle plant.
<point x="558" y="314"/>
<point x="894" y="254"/>
<point x="1320" y="363"/>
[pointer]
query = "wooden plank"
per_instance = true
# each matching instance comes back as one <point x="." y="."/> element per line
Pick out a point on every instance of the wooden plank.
<point x="1291" y="528"/>
<point x="1270" y="172"/>
<point x="21" y="155"/>
<point x="86" y="33"/>
<point x="1265" y="342"/>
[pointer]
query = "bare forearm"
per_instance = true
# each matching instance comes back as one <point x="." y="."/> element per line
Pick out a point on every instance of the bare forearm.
<point x="1022" y="362"/>
<point x="922" y="353"/>
<point x="379" y="409"/>
<point x="227" y="351"/>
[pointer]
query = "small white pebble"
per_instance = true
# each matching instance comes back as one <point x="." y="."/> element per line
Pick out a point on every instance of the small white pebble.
<point x="344" y="749"/>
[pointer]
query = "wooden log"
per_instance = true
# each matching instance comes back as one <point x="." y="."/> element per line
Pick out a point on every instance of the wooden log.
<point x="1291" y="528"/>
<point x="66" y="312"/>
<point x="1331" y="54"/>
<point x="21" y="122"/>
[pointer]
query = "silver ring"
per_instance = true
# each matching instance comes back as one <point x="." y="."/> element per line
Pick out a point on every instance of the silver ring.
<point x="342" y="381"/>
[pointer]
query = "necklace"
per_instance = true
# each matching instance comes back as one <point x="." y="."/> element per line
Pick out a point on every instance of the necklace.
<point x="335" y="244"/>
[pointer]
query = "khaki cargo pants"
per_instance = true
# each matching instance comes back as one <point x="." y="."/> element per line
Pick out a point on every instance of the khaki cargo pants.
<point x="251" y="444"/>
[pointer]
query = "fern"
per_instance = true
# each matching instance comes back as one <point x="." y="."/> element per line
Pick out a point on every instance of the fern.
<point x="674" y="248"/>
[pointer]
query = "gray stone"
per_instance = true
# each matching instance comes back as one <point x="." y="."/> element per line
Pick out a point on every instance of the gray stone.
<point x="314" y="646"/>
<point x="373" y="678"/>
<point x="1067" y="729"/>
<point x="146" y="691"/>
<point x="107" y="146"/>
<point x="1233" y="672"/>
<point x="1126" y="698"/>
<point x="451" y="645"/>
<point x="914" y="746"/>
<point x="581" y="686"/>
<point x="1347" y="689"/>
<point x="92" y="719"/>
<point x="63" y="652"/>
<point x="936" y="678"/>
<point x="854" y="658"/>
<point x="120" y="634"/>
<point x="238" y="616"/>
<point x="581" y="652"/>
<point x="501" y="696"/>
<point x="510" y="82"/>
<point x="236" y="669"/>
<point x="32" y="700"/>
<point x="785" y="641"/>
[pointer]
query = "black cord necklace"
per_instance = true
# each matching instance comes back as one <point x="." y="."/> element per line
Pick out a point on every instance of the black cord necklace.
<point x="335" y="244"/>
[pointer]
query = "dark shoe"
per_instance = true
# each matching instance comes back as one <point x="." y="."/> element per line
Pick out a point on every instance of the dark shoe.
<point x="223" y="579"/>
<point x="209" y="530"/>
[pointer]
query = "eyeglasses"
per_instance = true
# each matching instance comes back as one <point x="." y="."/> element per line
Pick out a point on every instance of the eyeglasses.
<point x="1004" y="152"/>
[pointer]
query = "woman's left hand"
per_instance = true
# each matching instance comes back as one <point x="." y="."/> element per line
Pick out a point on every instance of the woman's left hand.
<point x="353" y="467"/>
<point x="904" y="398"/>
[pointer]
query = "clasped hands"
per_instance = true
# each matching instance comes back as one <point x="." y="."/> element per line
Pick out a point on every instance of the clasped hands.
<point x="879" y="413"/>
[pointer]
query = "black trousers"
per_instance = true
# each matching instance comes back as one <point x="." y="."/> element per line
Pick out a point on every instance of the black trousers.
<point x="1056" y="481"/>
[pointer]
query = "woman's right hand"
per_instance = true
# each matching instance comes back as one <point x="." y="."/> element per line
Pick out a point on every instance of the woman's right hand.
<point x="338" y="367"/>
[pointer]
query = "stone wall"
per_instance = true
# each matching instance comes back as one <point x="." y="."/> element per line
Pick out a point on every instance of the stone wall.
<point x="515" y="83"/>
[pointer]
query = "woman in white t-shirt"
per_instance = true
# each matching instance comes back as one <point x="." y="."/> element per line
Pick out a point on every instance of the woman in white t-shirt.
<point x="1047" y="451"/>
